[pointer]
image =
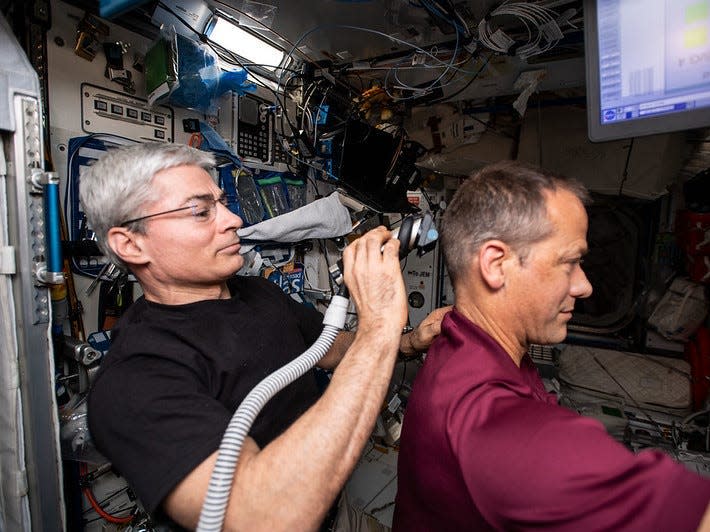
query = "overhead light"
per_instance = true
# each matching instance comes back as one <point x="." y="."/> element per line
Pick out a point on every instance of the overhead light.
<point x="245" y="44"/>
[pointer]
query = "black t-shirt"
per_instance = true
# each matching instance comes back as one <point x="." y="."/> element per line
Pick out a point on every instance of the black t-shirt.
<point x="174" y="376"/>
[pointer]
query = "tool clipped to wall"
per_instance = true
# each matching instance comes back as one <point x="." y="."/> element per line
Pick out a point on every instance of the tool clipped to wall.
<point x="115" y="70"/>
<point x="89" y="34"/>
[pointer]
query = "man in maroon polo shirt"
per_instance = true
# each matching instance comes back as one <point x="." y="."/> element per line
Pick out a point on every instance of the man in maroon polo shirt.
<point x="484" y="446"/>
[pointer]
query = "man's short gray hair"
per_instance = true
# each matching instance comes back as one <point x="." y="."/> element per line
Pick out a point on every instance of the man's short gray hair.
<point x="118" y="186"/>
<point x="502" y="201"/>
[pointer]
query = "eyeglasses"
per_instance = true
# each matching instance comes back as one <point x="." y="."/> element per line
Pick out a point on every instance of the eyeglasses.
<point x="204" y="209"/>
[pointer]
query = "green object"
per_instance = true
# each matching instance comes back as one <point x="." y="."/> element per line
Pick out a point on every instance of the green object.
<point x="272" y="195"/>
<point x="160" y="73"/>
<point x="296" y="190"/>
<point x="252" y="209"/>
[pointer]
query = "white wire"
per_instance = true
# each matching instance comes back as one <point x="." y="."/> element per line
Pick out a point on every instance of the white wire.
<point x="432" y="84"/>
<point x="530" y="16"/>
<point x="367" y="30"/>
<point x="306" y="115"/>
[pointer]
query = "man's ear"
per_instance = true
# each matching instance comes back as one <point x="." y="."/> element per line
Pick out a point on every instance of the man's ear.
<point x="127" y="245"/>
<point x="491" y="257"/>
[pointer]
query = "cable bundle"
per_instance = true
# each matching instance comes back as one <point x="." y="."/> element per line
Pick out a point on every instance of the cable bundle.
<point x="541" y="24"/>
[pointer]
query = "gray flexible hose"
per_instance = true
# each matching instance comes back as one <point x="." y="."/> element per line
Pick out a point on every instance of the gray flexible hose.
<point x="215" y="506"/>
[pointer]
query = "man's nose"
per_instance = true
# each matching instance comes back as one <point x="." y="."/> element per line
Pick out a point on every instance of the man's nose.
<point x="232" y="220"/>
<point x="581" y="287"/>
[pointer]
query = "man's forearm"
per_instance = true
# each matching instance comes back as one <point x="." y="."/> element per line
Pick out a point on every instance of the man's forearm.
<point x="336" y="352"/>
<point x="321" y="448"/>
<point x="410" y="343"/>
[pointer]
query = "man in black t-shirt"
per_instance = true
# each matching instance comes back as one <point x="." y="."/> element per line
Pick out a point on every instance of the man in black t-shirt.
<point x="187" y="352"/>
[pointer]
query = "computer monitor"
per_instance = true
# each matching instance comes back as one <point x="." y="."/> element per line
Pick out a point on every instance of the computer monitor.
<point x="376" y="167"/>
<point x="648" y="66"/>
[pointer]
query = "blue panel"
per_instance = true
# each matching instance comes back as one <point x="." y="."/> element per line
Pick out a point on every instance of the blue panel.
<point x="112" y="8"/>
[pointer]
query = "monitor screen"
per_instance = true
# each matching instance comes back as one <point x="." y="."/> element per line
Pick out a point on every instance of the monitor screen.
<point x="376" y="167"/>
<point x="648" y="66"/>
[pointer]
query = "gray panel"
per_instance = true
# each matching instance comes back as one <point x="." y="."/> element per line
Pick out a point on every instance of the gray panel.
<point x="23" y="147"/>
<point x="16" y="75"/>
<point x="34" y="351"/>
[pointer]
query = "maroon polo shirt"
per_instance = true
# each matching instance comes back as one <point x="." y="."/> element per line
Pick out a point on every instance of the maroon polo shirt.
<point x="484" y="446"/>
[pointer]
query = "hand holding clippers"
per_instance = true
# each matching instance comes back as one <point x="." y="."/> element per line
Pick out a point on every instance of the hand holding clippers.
<point x="415" y="232"/>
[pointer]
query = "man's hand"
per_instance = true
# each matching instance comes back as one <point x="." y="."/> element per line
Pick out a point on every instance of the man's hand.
<point x="372" y="275"/>
<point x="423" y="335"/>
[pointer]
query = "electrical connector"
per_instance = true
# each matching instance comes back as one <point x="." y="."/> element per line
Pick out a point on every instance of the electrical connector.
<point x="471" y="47"/>
<point x="360" y="65"/>
<point x="325" y="74"/>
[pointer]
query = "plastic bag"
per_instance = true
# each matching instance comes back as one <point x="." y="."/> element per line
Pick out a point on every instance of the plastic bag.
<point x="249" y="200"/>
<point x="273" y="194"/>
<point x="186" y="74"/>
<point x="680" y="311"/>
<point x="296" y="190"/>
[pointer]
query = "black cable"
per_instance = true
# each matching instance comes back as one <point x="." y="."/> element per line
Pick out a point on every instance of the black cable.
<point x="623" y="389"/>
<point x="233" y="59"/>
<point x="625" y="175"/>
<point x="406" y="258"/>
<point x="473" y="78"/>
<point x="278" y="100"/>
<point x="355" y="73"/>
<point x="492" y="129"/>
<point x="107" y="498"/>
<point x="277" y="67"/>
<point x="450" y="80"/>
<point x="307" y="95"/>
<point x="228" y="56"/>
<point x="432" y="208"/>
<point x="393" y="224"/>
<point x="251" y="30"/>
<point x="447" y="14"/>
<point x="285" y="111"/>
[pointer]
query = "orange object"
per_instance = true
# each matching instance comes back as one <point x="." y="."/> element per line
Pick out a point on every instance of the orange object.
<point x="195" y="140"/>
<point x="86" y="490"/>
